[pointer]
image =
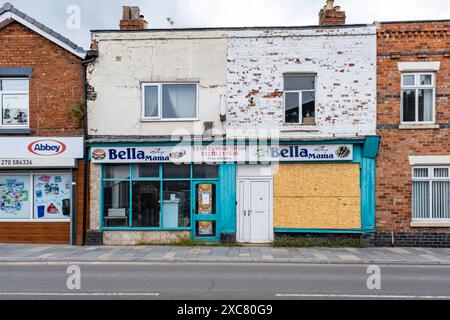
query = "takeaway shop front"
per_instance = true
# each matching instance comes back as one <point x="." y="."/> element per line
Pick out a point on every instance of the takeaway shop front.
<point x="236" y="192"/>
<point x="38" y="189"/>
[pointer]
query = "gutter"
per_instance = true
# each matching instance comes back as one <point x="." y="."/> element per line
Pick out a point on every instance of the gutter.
<point x="90" y="57"/>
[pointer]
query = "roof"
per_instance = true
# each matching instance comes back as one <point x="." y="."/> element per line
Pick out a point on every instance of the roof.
<point x="9" y="13"/>
<point x="257" y="28"/>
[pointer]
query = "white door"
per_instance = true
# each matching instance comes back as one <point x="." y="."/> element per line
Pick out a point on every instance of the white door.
<point x="255" y="211"/>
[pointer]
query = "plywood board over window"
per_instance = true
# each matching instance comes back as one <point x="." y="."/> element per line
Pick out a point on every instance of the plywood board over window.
<point x="317" y="196"/>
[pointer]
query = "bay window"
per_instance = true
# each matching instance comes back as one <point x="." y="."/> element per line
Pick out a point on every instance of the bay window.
<point x="169" y="101"/>
<point x="418" y="98"/>
<point x="431" y="193"/>
<point x="14" y="102"/>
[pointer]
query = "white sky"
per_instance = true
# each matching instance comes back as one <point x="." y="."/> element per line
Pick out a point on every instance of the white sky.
<point x="105" y="14"/>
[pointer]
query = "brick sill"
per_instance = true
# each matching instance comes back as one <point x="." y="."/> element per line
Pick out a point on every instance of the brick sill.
<point x="430" y="224"/>
<point x="418" y="126"/>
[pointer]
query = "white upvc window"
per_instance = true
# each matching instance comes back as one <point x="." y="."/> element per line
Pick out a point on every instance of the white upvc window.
<point x="14" y="102"/>
<point x="300" y="99"/>
<point x="169" y="101"/>
<point x="431" y="193"/>
<point x="418" y="98"/>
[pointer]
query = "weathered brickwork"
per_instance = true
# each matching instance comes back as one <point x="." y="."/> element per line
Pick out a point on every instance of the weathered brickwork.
<point x="408" y="42"/>
<point x="344" y="59"/>
<point x="56" y="84"/>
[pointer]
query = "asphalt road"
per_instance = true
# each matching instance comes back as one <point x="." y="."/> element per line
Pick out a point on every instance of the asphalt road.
<point x="222" y="281"/>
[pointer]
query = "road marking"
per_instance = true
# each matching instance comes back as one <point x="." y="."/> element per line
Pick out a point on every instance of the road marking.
<point x="374" y="296"/>
<point x="77" y="294"/>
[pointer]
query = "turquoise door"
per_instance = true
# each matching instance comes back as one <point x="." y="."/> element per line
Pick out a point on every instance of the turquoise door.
<point x="204" y="211"/>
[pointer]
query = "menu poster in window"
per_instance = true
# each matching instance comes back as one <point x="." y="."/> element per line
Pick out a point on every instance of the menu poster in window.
<point x="205" y="228"/>
<point x="14" y="197"/>
<point x="205" y="198"/>
<point x="52" y="194"/>
<point x="15" y="110"/>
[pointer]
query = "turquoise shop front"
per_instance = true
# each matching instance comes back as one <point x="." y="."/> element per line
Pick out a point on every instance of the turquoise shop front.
<point x="192" y="190"/>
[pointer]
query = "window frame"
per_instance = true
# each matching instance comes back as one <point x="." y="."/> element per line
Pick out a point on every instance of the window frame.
<point x="431" y="178"/>
<point x="160" y="118"/>
<point x="416" y="87"/>
<point x="300" y="97"/>
<point x="10" y="93"/>
<point x="31" y="175"/>
<point x="192" y="180"/>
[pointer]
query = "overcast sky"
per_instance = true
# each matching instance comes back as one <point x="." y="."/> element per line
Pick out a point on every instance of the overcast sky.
<point x="105" y="14"/>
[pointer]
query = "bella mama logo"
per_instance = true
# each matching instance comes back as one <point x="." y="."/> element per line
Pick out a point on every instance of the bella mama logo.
<point x="47" y="148"/>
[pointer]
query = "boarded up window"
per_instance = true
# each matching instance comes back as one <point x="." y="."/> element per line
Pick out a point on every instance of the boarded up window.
<point x="317" y="196"/>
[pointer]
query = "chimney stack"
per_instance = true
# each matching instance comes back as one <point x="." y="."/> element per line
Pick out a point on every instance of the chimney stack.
<point x="132" y="19"/>
<point x="331" y="15"/>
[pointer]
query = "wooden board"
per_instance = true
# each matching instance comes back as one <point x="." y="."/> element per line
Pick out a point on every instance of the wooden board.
<point x="317" y="196"/>
<point x="35" y="232"/>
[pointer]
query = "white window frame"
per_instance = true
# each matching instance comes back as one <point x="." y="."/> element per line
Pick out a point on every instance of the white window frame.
<point x="8" y="93"/>
<point x="31" y="218"/>
<point x="159" y="118"/>
<point x="431" y="178"/>
<point x="300" y="97"/>
<point x="416" y="87"/>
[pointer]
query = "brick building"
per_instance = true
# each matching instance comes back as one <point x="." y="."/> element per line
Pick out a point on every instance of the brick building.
<point x="413" y="178"/>
<point x="41" y="142"/>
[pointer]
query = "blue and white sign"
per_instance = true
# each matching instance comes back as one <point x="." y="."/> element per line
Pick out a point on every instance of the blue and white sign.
<point x="222" y="154"/>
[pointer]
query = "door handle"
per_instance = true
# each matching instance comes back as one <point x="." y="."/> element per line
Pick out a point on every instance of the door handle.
<point x="245" y="212"/>
<point x="249" y="212"/>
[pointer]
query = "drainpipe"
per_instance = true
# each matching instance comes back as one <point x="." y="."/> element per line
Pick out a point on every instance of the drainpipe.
<point x="89" y="58"/>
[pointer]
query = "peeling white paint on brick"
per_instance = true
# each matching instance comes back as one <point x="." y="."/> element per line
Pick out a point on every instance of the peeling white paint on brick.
<point x="343" y="58"/>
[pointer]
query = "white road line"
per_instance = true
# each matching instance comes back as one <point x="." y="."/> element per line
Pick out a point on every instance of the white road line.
<point x="77" y="294"/>
<point x="374" y="296"/>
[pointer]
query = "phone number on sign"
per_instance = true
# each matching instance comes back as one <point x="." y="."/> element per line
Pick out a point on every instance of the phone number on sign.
<point x="11" y="162"/>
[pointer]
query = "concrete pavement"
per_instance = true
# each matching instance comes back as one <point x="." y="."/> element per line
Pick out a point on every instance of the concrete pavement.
<point x="62" y="253"/>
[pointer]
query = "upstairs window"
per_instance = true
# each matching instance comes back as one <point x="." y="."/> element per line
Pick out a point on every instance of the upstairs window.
<point x="14" y="102"/>
<point x="300" y="99"/>
<point x="169" y="101"/>
<point x="418" y="97"/>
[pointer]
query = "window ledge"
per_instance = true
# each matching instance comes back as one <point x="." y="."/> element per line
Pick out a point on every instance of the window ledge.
<point x="169" y="120"/>
<point x="418" y="126"/>
<point x="15" y="131"/>
<point x="294" y="128"/>
<point x="431" y="224"/>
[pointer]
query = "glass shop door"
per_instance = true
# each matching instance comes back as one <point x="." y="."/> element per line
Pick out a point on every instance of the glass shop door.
<point x="205" y="222"/>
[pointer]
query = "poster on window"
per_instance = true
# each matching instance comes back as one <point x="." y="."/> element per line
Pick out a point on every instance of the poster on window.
<point x="15" y="109"/>
<point x="14" y="197"/>
<point x="52" y="194"/>
<point x="205" y="193"/>
<point x="205" y="228"/>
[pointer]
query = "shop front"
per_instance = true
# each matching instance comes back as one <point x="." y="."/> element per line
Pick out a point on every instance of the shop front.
<point x="38" y="189"/>
<point x="240" y="192"/>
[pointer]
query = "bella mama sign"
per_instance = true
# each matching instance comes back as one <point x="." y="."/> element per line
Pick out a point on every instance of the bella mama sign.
<point x="222" y="154"/>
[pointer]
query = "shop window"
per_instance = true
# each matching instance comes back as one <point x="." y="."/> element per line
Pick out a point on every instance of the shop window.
<point x="116" y="203"/>
<point x="175" y="171"/>
<point x="116" y="172"/>
<point x="15" y="196"/>
<point x="300" y="99"/>
<point x="146" y="171"/>
<point x="169" y="101"/>
<point x="177" y="204"/>
<point x="203" y="171"/>
<point x="149" y="200"/>
<point x="146" y="204"/>
<point x="52" y="196"/>
<point x="431" y="193"/>
<point x="14" y="102"/>
<point x="418" y="98"/>
<point x="35" y="196"/>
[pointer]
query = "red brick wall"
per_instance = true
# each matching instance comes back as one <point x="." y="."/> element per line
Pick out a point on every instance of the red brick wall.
<point x="394" y="173"/>
<point x="56" y="84"/>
